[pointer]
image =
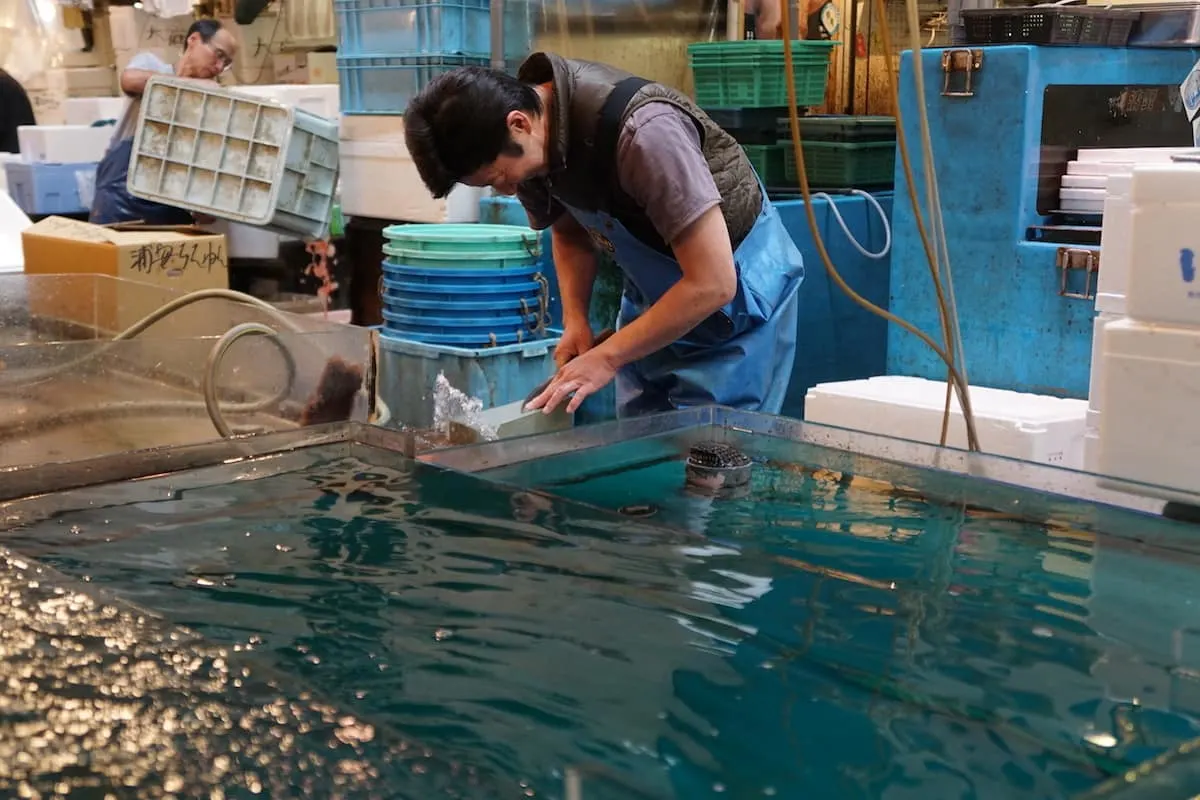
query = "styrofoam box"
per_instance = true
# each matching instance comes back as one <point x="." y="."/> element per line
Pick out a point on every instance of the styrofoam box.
<point x="4" y="159"/>
<point x="321" y="100"/>
<point x="13" y="222"/>
<point x="1097" y="373"/>
<point x="237" y="157"/>
<point x="379" y="178"/>
<point x="91" y="82"/>
<point x="63" y="144"/>
<point x="86" y="110"/>
<point x="1149" y="428"/>
<point x="1070" y="181"/>
<point x="1029" y="427"/>
<point x="1091" y="451"/>
<point x="1165" y="241"/>
<point x="1116" y="254"/>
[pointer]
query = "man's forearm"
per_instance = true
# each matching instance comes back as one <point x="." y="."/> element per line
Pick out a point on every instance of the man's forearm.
<point x="133" y="81"/>
<point x="684" y="306"/>
<point x="709" y="282"/>
<point x="575" y="266"/>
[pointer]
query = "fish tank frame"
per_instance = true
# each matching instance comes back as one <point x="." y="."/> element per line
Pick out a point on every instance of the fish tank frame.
<point x="945" y="475"/>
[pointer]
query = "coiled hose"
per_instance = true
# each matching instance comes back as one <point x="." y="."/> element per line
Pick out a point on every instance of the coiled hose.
<point x="211" y="404"/>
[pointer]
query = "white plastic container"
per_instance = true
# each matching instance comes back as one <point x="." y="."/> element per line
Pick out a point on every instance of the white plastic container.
<point x="379" y="178"/>
<point x="241" y="158"/>
<point x="1149" y="428"/>
<point x="1165" y="241"/>
<point x="86" y="110"/>
<point x="12" y="223"/>
<point x="1029" y="427"/>
<point x="321" y="100"/>
<point x="63" y="144"/>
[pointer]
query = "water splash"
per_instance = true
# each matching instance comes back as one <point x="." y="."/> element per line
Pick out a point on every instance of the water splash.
<point x="451" y="405"/>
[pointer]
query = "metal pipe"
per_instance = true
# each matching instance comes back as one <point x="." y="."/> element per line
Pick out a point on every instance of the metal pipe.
<point x="735" y="21"/>
<point x="497" y="20"/>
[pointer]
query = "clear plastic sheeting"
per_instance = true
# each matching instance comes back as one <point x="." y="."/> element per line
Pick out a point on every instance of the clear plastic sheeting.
<point x="32" y="39"/>
<point x="70" y="390"/>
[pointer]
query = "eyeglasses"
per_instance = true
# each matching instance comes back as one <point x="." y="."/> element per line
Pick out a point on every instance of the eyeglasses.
<point x="223" y="58"/>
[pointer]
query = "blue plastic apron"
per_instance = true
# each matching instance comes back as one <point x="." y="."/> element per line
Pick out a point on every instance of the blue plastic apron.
<point x="113" y="203"/>
<point x="740" y="356"/>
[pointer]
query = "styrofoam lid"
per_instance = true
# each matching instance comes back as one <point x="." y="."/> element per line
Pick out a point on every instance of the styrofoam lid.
<point x="1133" y="339"/>
<point x="1165" y="183"/>
<point x="1106" y="168"/>
<point x="993" y="404"/>
<point x="1136" y="154"/>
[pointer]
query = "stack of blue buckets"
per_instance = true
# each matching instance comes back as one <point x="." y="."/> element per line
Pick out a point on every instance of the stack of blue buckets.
<point x="468" y="286"/>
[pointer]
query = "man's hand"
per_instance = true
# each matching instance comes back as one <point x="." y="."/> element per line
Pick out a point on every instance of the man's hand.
<point x="203" y="219"/>
<point x="576" y="340"/>
<point x="585" y="375"/>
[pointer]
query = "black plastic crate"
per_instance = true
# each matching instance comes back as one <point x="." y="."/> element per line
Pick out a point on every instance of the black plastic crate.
<point x="1087" y="27"/>
<point x="841" y="128"/>
<point x="753" y="126"/>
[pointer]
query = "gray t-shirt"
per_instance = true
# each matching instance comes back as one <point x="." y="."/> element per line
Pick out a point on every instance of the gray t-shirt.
<point x="659" y="165"/>
<point x="127" y="125"/>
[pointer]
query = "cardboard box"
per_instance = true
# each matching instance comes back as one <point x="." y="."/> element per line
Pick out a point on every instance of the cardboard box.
<point x="182" y="259"/>
<point x="290" y="68"/>
<point x="322" y="68"/>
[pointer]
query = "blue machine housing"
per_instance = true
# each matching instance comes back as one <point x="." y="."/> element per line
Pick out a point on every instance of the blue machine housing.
<point x="1018" y="333"/>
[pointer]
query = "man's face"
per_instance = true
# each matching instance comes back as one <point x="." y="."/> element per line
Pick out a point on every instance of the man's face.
<point x="209" y="59"/>
<point x="509" y="171"/>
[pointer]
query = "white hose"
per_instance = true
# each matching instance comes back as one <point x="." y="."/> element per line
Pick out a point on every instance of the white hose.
<point x="837" y="215"/>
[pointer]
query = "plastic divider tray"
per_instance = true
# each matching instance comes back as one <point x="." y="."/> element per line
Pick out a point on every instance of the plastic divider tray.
<point x="405" y="28"/>
<point x="750" y="74"/>
<point x="233" y="156"/>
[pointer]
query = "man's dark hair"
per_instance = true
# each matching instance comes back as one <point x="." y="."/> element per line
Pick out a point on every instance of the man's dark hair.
<point x="207" y="28"/>
<point x="459" y="123"/>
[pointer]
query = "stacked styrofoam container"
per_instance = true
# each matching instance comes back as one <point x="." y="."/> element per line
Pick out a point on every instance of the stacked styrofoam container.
<point x="56" y="173"/>
<point x="319" y="99"/>
<point x="1150" y="357"/>
<point x="379" y="178"/>
<point x="1098" y="182"/>
<point x="1083" y="187"/>
<point x="89" y="110"/>
<point x="1028" y="427"/>
<point x="236" y="157"/>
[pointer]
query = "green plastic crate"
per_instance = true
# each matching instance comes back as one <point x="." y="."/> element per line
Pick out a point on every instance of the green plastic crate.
<point x="750" y="74"/>
<point x="843" y="165"/>
<point x="768" y="161"/>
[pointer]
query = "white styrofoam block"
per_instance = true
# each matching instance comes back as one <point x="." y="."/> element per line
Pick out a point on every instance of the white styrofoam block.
<point x="1066" y="193"/>
<point x="1091" y="452"/>
<point x="1029" y="427"/>
<point x="86" y="110"/>
<point x="1149" y="429"/>
<point x="12" y="223"/>
<point x="1165" y="244"/>
<point x="1171" y="183"/>
<point x="1103" y="168"/>
<point x="63" y="144"/>
<point x="1116" y="253"/>
<point x="379" y="178"/>
<point x="321" y="99"/>
<point x="1139" y="155"/>
<point x="1070" y="181"/>
<point x="1097" y="374"/>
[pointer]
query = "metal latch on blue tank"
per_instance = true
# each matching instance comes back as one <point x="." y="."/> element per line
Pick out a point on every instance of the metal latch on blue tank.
<point x="1069" y="259"/>
<point x="965" y="61"/>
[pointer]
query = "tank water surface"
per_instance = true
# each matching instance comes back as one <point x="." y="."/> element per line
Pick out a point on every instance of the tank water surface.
<point x="817" y="635"/>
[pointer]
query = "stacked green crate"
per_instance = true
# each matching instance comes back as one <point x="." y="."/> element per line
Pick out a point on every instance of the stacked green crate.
<point x="843" y="152"/>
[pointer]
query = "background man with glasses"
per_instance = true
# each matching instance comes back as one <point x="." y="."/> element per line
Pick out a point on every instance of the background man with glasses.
<point x="208" y="50"/>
